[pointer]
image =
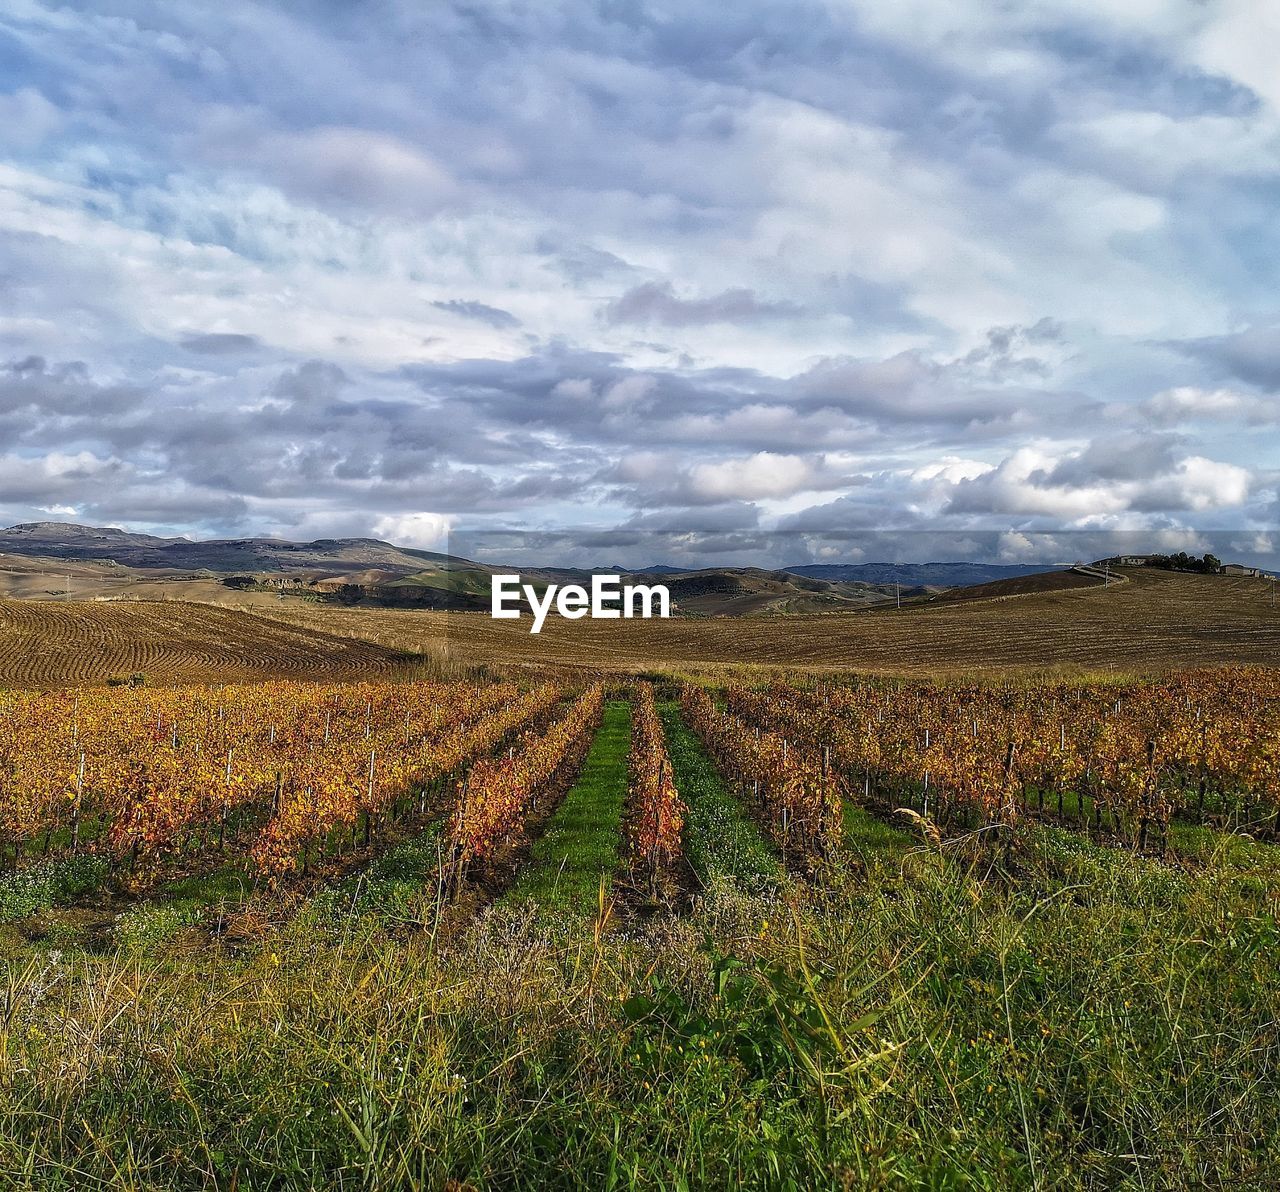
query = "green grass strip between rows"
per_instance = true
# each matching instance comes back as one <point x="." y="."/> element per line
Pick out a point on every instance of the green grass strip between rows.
<point x="580" y="845"/>
<point x="719" y="837"/>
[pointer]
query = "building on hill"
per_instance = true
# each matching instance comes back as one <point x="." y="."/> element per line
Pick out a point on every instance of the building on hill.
<point x="1240" y="569"/>
<point x="1130" y="560"/>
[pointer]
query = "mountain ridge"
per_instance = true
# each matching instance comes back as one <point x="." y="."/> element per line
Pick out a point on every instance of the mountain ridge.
<point x="70" y="540"/>
<point x="260" y="553"/>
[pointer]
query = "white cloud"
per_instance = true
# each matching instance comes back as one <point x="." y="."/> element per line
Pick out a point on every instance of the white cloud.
<point x="1152" y="149"/>
<point x="1241" y="39"/>
<point x="578" y="388"/>
<point x="425" y="531"/>
<point x="1186" y="403"/>
<point x="1022" y="485"/>
<point x="27" y="119"/>
<point x="1197" y="484"/>
<point x="952" y="470"/>
<point x="356" y="166"/>
<point x="627" y="393"/>
<point x="835" y="232"/>
<point x="764" y="474"/>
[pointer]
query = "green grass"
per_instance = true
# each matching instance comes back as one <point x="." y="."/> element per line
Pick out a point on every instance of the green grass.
<point x="1194" y="842"/>
<point x="1077" y="808"/>
<point x="720" y="839"/>
<point x="400" y="886"/>
<point x="177" y="905"/>
<point x="462" y="581"/>
<point x="579" y="849"/>
<point x="50" y="883"/>
<point x="227" y="885"/>
<point x="1076" y="1016"/>
<point x="1205" y="845"/>
<point x="1054" y="857"/>
<point x="871" y="836"/>
<point x="1099" y="1020"/>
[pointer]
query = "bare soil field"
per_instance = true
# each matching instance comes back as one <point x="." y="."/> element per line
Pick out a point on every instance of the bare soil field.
<point x="1158" y="621"/>
<point x="51" y="644"/>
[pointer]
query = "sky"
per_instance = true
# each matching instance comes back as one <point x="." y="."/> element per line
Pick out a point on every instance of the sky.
<point x="684" y="282"/>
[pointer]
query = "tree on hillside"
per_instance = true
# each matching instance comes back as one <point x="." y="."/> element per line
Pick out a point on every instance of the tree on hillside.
<point x="1206" y="565"/>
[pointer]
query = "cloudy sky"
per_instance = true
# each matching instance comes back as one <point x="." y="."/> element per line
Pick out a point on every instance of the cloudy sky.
<point x="814" y="279"/>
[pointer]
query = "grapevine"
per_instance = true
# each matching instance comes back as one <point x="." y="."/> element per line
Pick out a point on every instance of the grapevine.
<point x="499" y="791"/>
<point x="659" y="810"/>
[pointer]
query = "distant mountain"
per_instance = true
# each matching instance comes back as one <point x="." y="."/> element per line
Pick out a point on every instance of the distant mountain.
<point x="63" y="540"/>
<point x="930" y="575"/>
<point x="367" y="570"/>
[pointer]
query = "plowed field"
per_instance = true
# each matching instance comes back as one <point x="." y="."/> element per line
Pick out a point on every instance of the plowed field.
<point x="1157" y="621"/>
<point x="47" y="644"/>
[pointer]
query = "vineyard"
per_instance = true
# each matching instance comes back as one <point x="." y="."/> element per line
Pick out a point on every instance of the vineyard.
<point x="1132" y="754"/>
<point x="734" y="877"/>
<point x="277" y="772"/>
<point x="284" y="775"/>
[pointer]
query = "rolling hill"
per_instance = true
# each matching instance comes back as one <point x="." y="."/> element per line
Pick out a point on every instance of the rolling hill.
<point x="56" y="560"/>
<point x="61" y="561"/>
<point x="922" y="575"/>
<point x="1154" y="622"/>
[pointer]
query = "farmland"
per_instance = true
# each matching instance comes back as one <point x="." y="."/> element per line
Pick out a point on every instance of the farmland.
<point x="1153" y="621"/>
<point x="55" y="644"/>
<point x="476" y="933"/>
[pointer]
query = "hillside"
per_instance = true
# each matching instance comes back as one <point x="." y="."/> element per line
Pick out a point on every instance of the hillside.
<point x="752" y="592"/>
<point x="930" y="575"/>
<point x="1025" y="585"/>
<point x="1156" y="621"/>
<point x="58" y="561"/>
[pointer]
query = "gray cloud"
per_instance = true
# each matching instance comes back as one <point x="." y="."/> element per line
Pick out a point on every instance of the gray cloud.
<point x="1120" y="456"/>
<point x="1252" y="355"/>
<point x="932" y="292"/>
<point x="1005" y="353"/>
<point x="27" y="118"/>
<point x="337" y="166"/>
<point x="312" y="381"/>
<point x="657" y="303"/>
<point x="566" y="430"/>
<point x="220" y="343"/>
<point x="491" y="315"/>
